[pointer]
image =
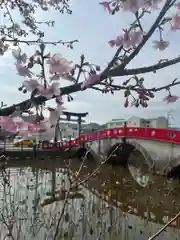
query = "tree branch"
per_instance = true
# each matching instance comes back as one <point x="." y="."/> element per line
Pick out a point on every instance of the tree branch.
<point x="134" y="71"/>
<point x="118" y="71"/>
<point x="135" y="87"/>
<point x="77" y="87"/>
<point x="163" y="11"/>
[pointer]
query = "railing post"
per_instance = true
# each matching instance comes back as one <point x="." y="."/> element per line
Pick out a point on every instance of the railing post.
<point x="79" y="126"/>
<point x="21" y="146"/>
<point x="34" y="147"/>
<point x="125" y="132"/>
<point x="4" y="144"/>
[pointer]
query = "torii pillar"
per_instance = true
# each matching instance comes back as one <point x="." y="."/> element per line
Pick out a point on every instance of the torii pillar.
<point x="69" y="117"/>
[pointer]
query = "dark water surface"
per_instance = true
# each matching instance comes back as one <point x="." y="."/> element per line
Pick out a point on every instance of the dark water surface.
<point x="116" y="203"/>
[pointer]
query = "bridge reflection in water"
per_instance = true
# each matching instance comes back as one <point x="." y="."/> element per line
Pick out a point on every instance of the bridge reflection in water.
<point x="116" y="203"/>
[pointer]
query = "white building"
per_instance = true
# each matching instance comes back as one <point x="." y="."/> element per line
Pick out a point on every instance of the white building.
<point x="66" y="131"/>
<point x="115" y="123"/>
<point x="135" y="122"/>
<point x="160" y="122"/>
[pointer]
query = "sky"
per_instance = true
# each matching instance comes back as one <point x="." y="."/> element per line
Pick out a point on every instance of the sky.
<point x="93" y="27"/>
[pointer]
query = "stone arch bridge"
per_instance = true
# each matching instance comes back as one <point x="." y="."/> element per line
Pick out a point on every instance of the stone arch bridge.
<point x="158" y="148"/>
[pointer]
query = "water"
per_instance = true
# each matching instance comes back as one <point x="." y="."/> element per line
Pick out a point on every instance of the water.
<point x="116" y="203"/>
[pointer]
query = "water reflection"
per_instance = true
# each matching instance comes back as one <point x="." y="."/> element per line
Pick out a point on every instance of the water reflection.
<point x="114" y="204"/>
<point x="141" y="177"/>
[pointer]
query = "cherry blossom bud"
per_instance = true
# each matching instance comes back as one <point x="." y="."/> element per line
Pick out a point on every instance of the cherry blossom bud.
<point x="20" y="88"/>
<point x="136" y="104"/>
<point x="145" y="98"/>
<point x="126" y="104"/>
<point x="151" y="95"/>
<point x="41" y="117"/>
<point x="145" y="104"/>
<point x="24" y="91"/>
<point x="127" y="93"/>
<point x="141" y="95"/>
<point x="98" y="68"/>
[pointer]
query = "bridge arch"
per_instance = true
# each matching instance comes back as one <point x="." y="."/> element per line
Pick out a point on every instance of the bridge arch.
<point x="123" y="153"/>
<point x="85" y="151"/>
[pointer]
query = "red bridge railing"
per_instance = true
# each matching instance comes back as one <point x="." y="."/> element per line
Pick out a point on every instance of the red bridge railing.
<point x="156" y="134"/>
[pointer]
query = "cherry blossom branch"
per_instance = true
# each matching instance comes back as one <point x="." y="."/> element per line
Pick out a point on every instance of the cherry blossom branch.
<point x="16" y="41"/>
<point x="116" y="55"/>
<point x="135" y="87"/>
<point x="77" y="87"/>
<point x="85" y="68"/>
<point x="163" y="11"/>
<point x="27" y="11"/>
<point x="117" y="72"/>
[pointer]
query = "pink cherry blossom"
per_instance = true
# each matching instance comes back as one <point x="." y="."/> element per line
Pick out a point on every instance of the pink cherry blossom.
<point x="51" y="90"/>
<point x="59" y="100"/>
<point x="126" y="104"/>
<point x="55" y="114"/>
<point x="19" y="56"/>
<point x="59" y="65"/>
<point x="56" y="77"/>
<point x="128" y="39"/>
<point x="4" y="120"/>
<point x="170" y="99"/>
<point x="175" y="22"/>
<point x="28" y="128"/>
<point x="127" y="42"/>
<point x="135" y="37"/>
<point x="133" y="5"/>
<point x="7" y="124"/>
<point x="17" y="120"/>
<point x="117" y="42"/>
<point x="177" y="5"/>
<point x="161" y="45"/>
<point x="22" y="70"/>
<point x="32" y="84"/>
<point x="92" y="79"/>
<point x="3" y="47"/>
<point x="42" y="125"/>
<point x="130" y="5"/>
<point x="106" y="6"/>
<point x="153" y="4"/>
<point x="11" y="128"/>
<point x="54" y="3"/>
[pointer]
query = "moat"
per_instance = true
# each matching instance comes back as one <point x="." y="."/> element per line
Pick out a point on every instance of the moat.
<point x="115" y="203"/>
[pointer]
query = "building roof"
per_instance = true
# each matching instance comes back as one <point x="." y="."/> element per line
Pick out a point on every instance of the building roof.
<point x="148" y="119"/>
<point x="116" y="120"/>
